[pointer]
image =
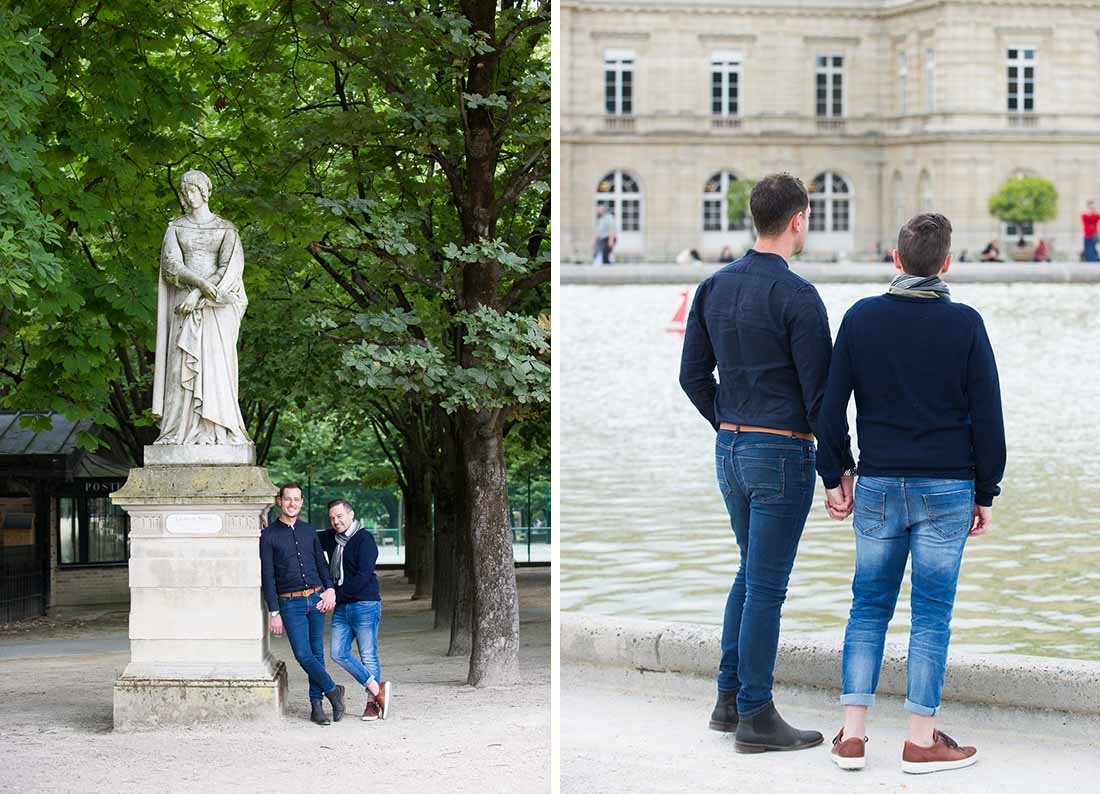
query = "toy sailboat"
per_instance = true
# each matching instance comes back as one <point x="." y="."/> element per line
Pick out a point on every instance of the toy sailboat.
<point x="679" y="319"/>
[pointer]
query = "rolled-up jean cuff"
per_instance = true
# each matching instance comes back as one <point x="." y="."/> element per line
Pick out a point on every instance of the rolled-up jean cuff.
<point x="917" y="708"/>
<point x="857" y="699"/>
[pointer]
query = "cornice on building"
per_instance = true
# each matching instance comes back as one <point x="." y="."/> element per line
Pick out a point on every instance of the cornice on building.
<point x="864" y="9"/>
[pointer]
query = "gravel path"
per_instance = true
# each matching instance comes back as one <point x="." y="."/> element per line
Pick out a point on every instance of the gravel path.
<point x="56" y="733"/>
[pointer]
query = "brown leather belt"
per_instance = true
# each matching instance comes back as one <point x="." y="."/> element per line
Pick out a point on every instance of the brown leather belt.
<point x="772" y="430"/>
<point x="298" y="593"/>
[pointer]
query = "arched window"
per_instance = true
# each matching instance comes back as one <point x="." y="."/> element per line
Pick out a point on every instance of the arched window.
<point x="924" y="190"/>
<point x="716" y="204"/>
<point x="899" y="201"/>
<point x="830" y="203"/>
<point x="618" y="191"/>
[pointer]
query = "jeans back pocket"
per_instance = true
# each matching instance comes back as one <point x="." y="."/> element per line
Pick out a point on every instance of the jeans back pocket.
<point x="950" y="512"/>
<point x="869" y="514"/>
<point x="764" y="478"/>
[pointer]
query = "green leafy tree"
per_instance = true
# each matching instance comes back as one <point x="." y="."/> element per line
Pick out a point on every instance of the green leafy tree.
<point x="737" y="201"/>
<point x="1025" y="199"/>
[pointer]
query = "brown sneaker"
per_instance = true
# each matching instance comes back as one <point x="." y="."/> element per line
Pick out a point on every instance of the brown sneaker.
<point x="848" y="754"/>
<point x="370" y="713"/>
<point x="944" y="754"/>
<point x="385" y="694"/>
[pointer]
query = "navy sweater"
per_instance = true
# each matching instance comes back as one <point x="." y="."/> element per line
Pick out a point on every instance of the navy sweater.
<point x="360" y="556"/>
<point x="928" y="402"/>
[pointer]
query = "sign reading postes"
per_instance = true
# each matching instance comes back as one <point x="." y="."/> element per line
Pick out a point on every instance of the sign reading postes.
<point x="193" y="523"/>
<point x="101" y="487"/>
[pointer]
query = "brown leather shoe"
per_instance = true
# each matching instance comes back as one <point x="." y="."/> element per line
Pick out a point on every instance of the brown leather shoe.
<point x="370" y="713"/>
<point x="385" y="694"/>
<point x="944" y="754"/>
<point x="849" y="754"/>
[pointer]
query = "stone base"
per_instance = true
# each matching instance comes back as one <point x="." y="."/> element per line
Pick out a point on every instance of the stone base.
<point x="144" y="703"/>
<point x="200" y="455"/>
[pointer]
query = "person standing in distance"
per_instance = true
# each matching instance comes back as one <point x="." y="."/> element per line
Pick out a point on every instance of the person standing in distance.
<point x="298" y="591"/>
<point x="766" y="331"/>
<point x="352" y="556"/>
<point x="605" y="234"/>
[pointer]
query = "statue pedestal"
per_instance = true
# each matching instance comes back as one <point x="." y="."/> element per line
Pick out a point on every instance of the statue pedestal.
<point x="198" y="631"/>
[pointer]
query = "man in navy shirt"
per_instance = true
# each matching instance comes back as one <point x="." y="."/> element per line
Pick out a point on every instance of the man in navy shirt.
<point x="352" y="555"/>
<point x="294" y="572"/>
<point x="766" y="332"/>
<point x="931" y="455"/>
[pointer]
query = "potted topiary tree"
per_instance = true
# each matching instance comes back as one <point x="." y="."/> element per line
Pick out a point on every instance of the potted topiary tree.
<point x="1024" y="199"/>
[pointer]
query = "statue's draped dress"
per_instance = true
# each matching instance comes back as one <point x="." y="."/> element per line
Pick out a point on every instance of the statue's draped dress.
<point x="195" y="385"/>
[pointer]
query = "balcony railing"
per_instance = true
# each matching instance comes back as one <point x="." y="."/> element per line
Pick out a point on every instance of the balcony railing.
<point x="619" y="123"/>
<point x="865" y="127"/>
<point x="725" y="123"/>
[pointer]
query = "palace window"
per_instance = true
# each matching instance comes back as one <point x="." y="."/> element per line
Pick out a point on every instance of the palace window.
<point x="716" y="205"/>
<point x="903" y="77"/>
<point x="830" y="203"/>
<point x="929" y="80"/>
<point x="725" y="83"/>
<point x="1021" y="79"/>
<point x="830" y="86"/>
<point x="620" y="194"/>
<point x="618" y="76"/>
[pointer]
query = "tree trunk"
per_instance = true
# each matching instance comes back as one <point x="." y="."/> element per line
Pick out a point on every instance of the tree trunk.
<point x="409" y="505"/>
<point x="422" y="531"/>
<point x="462" y="611"/>
<point x="448" y="523"/>
<point x="494" y="658"/>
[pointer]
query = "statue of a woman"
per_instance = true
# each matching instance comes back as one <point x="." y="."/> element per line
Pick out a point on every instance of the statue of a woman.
<point x="200" y="302"/>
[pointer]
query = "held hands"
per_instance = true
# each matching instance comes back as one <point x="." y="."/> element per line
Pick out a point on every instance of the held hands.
<point x="328" y="601"/>
<point x="983" y="519"/>
<point x="275" y="623"/>
<point x="840" y="500"/>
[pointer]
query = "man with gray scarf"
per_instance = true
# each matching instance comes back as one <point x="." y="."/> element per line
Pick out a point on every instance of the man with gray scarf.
<point x="352" y="556"/>
<point x="931" y="456"/>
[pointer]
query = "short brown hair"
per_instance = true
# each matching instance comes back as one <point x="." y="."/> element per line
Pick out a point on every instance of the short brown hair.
<point x="289" y="485"/>
<point x="344" y="503"/>
<point x="923" y="244"/>
<point x="776" y="199"/>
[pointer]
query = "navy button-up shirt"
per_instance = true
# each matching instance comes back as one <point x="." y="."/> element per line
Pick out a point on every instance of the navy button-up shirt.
<point x="766" y="331"/>
<point x="291" y="559"/>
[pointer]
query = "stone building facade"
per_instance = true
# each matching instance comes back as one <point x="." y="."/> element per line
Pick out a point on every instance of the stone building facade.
<point x="884" y="108"/>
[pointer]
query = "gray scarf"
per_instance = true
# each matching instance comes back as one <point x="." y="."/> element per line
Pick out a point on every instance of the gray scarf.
<point x="919" y="287"/>
<point x="337" y="562"/>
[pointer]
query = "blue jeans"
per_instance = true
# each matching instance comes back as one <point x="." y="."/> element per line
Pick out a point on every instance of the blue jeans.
<point x="767" y="482"/>
<point x="893" y="518"/>
<point x="357" y="620"/>
<point x="1090" y="254"/>
<point x="305" y="628"/>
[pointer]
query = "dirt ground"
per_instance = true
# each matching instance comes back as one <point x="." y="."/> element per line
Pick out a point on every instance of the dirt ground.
<point x="56" y="680"/>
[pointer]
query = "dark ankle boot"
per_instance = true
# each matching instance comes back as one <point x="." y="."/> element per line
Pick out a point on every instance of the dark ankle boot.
<point x="724" y="716"/>
<point x="768" y="731"/>
<point x="317" y="714"/>
<point x="336" y="698"/>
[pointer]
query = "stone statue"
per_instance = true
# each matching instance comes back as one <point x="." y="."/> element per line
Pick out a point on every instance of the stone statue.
<point x="200" y="303"/>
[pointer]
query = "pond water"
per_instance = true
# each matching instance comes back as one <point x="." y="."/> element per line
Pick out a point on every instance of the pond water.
<point x="645" y="534"/>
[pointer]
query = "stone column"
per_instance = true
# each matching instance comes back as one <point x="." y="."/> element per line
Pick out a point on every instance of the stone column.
<point x="198" y="632"/>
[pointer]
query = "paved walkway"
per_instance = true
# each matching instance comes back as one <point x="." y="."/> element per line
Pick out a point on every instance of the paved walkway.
<point x="636" y="732"/>
<point x="443" y="736"/>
